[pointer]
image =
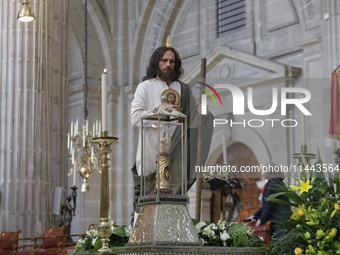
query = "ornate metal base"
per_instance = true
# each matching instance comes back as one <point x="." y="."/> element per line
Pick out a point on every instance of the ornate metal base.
<point x="163" y="191"/>
<point x="105" y="230"/>
<point x="160" y="224"/>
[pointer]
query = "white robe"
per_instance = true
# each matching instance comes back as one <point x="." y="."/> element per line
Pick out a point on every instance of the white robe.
<point x="146" y="98"/>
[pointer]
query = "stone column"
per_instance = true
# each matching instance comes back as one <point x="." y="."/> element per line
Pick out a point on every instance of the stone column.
<point x="33" y="115"/>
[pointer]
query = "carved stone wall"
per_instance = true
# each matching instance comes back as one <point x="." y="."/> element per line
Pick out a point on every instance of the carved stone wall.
<point x="279" y="36"/>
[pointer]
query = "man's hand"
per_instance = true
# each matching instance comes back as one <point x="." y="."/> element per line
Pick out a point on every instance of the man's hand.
<point x="199" y="108"/>
<point x="164" y="144"/>
<point x="175" y="106"/>
<point x="252" y="218"/>
<point x="258" y="223"/>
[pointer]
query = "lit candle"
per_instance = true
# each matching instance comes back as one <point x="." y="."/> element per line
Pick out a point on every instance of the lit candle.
<point x="100" y="128"/>
<point x="68" y="140"/>
<point x="104" y="100"/>
<point x="74" y="174"/>
<point x="303" y="126"/>
<point x="71" y="128"/>
<point x="87" y="127"/>
<point x="92" y="154"/>
<point x="224" y="150"/>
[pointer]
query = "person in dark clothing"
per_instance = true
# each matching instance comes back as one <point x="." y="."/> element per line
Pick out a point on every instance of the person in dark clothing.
<point x="271" y="210"/>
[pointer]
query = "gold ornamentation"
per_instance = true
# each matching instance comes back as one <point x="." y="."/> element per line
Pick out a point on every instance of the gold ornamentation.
<point x="172" y="96"/>
<point x="105" y="228"/>
<point x="168" y="41"/>
<point x="164" y="164"/>
<point x="164" y="173"/>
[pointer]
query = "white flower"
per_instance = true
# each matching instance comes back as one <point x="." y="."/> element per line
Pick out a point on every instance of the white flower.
<point x="93" y="233"/>
<point x="208" y="232"/>
<point x="261" y="237"/>
<point x="221" y="226"/>
<point x="202" y="241"/>
<point x="128" y="231"/>
<point x="199" y="225"/>
<point x="94" y="241"/>
<point x="224" y="236"/>
<point x="213" y="226"/>
<point x="81" y="241"/>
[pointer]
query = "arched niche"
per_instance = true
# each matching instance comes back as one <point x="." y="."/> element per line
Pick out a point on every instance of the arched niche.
<point x="98" y="34"/>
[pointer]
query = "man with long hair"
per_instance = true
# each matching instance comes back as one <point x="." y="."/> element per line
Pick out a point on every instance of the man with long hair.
<point x="163" y="72"/>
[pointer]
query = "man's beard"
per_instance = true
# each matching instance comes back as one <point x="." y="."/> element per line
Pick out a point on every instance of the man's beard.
<point x="167" y="77"/>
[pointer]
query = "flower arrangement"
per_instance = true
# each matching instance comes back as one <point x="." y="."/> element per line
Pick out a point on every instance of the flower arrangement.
<point x="92" y="241"/>
<point x="226" y="234"/>
<point x="314" y="223"/>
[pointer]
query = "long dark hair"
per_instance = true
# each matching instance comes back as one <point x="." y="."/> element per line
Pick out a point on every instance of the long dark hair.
<point x="154" y="62"/>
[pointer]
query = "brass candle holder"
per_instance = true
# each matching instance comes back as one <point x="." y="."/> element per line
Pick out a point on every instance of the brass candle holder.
<point x="306" y="155"/>
<point x="105" y="227"/>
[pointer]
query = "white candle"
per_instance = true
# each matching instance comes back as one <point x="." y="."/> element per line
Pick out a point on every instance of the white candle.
<point x="93" y="129"/>
<point x="87" y="127"/>
<point x="68" y="140"/>
<point x="72" y="156"/>
<point x="92" y="154"/>
<point x="104" y="100"/>
<point x="74" y="173"/>
<point x="224" y="150"/>
<point x="83" y="138"/>
<point x="303" y="126"/>
<point x="71" y="128"/>
<point x="99" y="129"/>
<point x="76" y="128"/>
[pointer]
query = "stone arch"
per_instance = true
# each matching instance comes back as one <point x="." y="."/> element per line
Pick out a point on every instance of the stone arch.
<point x="76" y="63"/>
<point x="103" y="36"/>
<point x="101" y="58"/>
<point x="185" y="32"/>
<point x="143" y="25"/>
<point x="157" y="19"/>
<point x="245" y="135"/>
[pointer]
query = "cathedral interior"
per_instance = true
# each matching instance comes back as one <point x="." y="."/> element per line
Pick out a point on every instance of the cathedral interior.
<point x="264" y="44"/>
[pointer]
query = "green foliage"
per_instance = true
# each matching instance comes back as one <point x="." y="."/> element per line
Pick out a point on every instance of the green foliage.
<point x="226" y="234"/>
<point x="92" y="242"/>
<point x="314" y="224"/>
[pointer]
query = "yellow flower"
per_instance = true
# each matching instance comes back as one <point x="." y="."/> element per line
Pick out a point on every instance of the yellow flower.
<point x="304" y="186"/>
<point x="336" y="207"/>
<point x="293" y="187"/>
<point x="300" y="212"/>
<point x="334" y="231"/>
<point x="311" y="249"/>
<point x="298" y="250"/>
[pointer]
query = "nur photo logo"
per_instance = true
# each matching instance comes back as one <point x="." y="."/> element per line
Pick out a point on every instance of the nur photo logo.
<point x="238" y="100"/>
<point x="204" y="97"/>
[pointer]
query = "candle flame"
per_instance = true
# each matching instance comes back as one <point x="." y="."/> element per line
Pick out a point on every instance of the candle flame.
<point x="105" y="70"/>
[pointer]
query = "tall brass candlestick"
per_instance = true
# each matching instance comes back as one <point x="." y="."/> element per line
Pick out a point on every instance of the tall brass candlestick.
<point x="105" y="227"/>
